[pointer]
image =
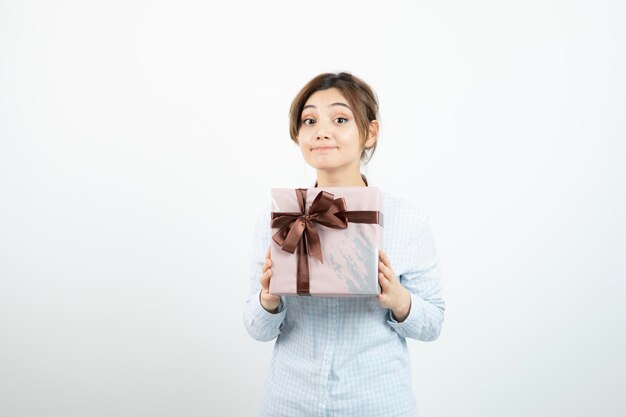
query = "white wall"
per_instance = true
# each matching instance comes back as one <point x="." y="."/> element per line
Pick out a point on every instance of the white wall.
<point x="137" y="139"/>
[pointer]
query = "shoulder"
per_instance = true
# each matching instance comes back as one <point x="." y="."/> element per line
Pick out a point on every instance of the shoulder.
<point x="263" y="216"/>
<point x="403" y="211"/>
<point x="261" y="234"/>
<point x="263" y="213"/>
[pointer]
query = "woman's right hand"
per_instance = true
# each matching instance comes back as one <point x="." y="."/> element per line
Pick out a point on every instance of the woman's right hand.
<point x="269" y="301"/>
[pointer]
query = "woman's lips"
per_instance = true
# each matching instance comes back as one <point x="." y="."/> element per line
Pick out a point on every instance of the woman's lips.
<point x="324" y="148"/>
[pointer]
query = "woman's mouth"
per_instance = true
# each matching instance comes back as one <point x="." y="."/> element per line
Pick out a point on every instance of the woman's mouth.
<point x="324" y="148"/>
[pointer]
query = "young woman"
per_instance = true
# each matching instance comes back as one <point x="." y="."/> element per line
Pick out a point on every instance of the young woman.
<point x="346" y="356"/>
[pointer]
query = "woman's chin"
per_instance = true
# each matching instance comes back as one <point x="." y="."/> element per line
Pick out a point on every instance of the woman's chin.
<point x="324" y="167"/>
<point x="325" y="164"/>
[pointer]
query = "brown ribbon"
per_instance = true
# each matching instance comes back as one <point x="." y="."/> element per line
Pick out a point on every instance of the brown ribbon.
<point x="297" y="230"/>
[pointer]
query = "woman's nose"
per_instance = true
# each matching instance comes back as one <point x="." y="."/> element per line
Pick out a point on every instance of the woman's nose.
<point x="323" y="132"/>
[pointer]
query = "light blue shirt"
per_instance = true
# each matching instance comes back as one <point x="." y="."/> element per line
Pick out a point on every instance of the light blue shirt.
<point x="348" y="357"/>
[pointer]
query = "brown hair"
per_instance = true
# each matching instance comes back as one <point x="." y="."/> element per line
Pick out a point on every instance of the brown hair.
<point x="359" y="95"/>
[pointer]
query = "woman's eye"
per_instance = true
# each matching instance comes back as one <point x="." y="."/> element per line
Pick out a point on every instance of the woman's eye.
<point x="304" y="122"/>
<point x="342" y="118"/>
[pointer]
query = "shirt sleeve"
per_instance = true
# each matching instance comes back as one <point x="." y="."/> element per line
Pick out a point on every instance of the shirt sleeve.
<point x="260" y="323"/>
<point x="422" y="279"/>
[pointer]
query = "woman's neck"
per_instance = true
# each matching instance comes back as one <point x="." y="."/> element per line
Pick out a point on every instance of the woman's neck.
<point x="328" y="180"/>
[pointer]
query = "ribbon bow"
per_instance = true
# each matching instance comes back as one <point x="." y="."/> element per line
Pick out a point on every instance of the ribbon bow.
<point x="325" y="210"/>
<point x="297" y="230"/>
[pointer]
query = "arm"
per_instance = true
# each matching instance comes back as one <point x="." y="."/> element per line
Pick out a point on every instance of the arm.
<point x="260" y="323"/>
<point x="422" y="280"/>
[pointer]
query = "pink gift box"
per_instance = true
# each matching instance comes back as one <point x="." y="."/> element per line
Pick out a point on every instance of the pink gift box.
<point x="348" y="244"/>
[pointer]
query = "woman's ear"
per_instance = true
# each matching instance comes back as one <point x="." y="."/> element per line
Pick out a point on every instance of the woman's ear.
<point x="372" y="136"/>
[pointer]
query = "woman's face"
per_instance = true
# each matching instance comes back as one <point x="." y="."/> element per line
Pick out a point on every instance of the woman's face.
<point x="328" y="136"/>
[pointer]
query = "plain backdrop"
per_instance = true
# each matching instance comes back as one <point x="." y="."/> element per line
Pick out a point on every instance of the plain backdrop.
<point x="139" y="138"/>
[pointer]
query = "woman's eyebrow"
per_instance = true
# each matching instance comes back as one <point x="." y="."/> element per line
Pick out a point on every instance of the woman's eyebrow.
<point x="334" y="104"/>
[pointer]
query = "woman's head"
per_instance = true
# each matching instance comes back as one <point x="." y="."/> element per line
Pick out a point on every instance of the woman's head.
<point x="334" y="121"/>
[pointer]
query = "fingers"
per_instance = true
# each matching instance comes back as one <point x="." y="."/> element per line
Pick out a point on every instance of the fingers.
<point x="383" y="257"/>
<point x="265" y="279"/>
<point x="384" y="266"/>
<point x="266" y="265"/>
<point x="385" y="270"/>
<point x="384" y="289"/>
<point x="266" y="270"/>
<point x="383" y="281"/>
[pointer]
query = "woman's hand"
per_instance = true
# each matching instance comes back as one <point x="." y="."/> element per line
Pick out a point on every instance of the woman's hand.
<point x="269" y="301"/>
<point x="393" y="296"/>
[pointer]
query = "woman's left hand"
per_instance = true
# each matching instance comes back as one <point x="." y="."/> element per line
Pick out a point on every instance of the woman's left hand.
<point x="393" y="296"/>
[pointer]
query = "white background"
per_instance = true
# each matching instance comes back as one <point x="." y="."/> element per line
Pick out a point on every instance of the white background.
<point x="138" y="139"/>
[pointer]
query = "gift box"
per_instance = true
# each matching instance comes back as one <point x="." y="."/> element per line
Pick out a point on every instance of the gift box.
<point x="325" y="241"/>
